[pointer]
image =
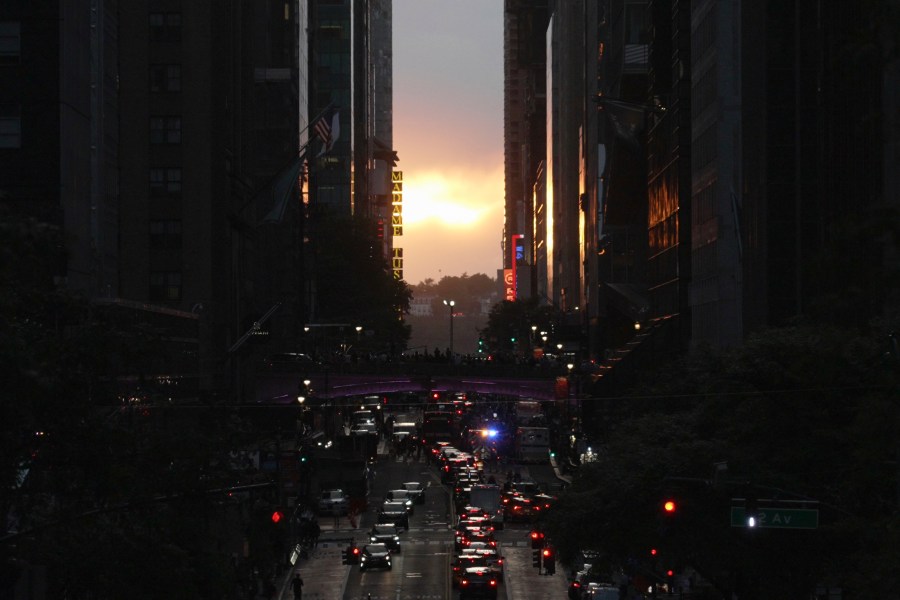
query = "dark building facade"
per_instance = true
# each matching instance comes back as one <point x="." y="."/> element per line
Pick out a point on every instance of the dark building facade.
<point x="59" y="125"/>
<point x="209" y="119"/>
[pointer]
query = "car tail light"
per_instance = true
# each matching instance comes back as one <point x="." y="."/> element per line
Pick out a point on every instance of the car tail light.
<point x="465" y="582"/>
<point x="493" y="543"/>
<point x="493" y="583"/>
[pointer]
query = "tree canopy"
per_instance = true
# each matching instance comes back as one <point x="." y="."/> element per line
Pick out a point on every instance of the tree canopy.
<point x="797" y="413"/>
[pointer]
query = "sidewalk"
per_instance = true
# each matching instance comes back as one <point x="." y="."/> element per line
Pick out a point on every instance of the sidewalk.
<point x="324" y="575"/>
<point x="522" y="580"/>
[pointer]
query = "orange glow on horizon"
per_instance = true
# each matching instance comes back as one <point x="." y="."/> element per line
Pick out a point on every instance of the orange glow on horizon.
<point x="450" y="201"/>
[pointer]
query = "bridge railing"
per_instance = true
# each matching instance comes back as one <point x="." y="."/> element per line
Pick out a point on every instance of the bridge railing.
<point x="422" y="368"/>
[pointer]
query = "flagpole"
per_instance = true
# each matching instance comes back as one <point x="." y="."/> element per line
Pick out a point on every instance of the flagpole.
<point x="316" y="119"/>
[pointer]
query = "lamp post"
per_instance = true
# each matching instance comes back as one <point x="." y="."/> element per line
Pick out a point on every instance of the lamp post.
<point x="450" y="304"/>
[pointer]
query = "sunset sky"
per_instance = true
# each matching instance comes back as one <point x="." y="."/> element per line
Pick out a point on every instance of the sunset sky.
<point x="448" y="132"/>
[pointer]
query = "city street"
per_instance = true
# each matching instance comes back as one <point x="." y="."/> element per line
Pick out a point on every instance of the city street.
<point x="422" y="569"/>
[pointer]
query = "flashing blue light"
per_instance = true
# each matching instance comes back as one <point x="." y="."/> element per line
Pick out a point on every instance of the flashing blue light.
<point x="492" y="433"/>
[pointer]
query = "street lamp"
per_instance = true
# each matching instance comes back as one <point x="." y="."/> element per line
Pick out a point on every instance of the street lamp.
<point x="450" y="304"/>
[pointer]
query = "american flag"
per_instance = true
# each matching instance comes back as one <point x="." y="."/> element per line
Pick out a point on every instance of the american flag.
<point x="326" y="128"/>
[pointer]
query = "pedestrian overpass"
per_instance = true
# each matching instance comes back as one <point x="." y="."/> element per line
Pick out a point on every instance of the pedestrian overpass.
<point x="363" y="379"/>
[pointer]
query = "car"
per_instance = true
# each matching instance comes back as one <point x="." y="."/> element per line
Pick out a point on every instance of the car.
<point x="466" y="535"/>
<point x="416" y="490"/>
<point x="375" y="556"/>
<point x="403" y="496"/>
<point x="404" y="429"/>
<point x="519" y="509"/>
<point x="491" y="556"/>
<point x="478" y="582"/>
<point x="394" y="512"/>
<point x="333" y="502"/>
<point x="387" y="534"/>
<point x="465" y="561"/>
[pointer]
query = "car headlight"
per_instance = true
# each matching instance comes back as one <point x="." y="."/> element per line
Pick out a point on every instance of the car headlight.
<point x="371" y="539"/>
<point x="363" y="559"/>
<point x="409" y="502"/>
<point x="396" y="538"/>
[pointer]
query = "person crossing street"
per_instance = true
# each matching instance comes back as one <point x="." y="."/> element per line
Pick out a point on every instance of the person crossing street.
<point x="297" y="586"/>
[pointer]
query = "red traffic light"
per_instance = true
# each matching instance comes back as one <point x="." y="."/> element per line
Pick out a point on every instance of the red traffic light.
<point x="547" y="552"/>
<point x="669" y="506"/>
<point x="653" y="551"/>
<point x="277" y="516"/>
<point x="355" y="551"/>
<point x="537" y="535"/>
<point x="670" y="573"/>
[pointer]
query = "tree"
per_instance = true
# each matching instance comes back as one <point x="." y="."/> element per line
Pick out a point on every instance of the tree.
<point x="797" y="412"/>
<point x="509" y="325"/>
<point x="354" y="283"/>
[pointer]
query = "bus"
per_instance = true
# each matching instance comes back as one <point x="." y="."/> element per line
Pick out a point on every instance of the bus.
<point x="532" y="445"/>
<point x="437" y="426"/>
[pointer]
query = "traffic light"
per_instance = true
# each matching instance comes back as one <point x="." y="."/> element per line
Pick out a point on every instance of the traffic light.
<point x="536" y="558"/>
<point x="549" y="557"/>
<point x="670" y="507"/>
<point x="350" y="555"/>
<point x="537" y="540"/>
<point x="277" y="516"/>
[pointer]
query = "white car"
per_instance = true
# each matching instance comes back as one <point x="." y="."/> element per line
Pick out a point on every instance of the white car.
<point x="416" y="490"/>
<point x="404" y="496"/>
<point x="333" y="502"/>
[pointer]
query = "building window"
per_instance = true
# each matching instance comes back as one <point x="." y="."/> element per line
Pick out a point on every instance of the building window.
<point x="10" y="42"/>
<point x="10" y="126"/>
<point x="165" y="27"/>
<point x="165" y="78"/>
<point x="165" y="286"/>
<point x="165" y="183"/>
<point x="165" y="234"/>
<point x="165" y="130"/>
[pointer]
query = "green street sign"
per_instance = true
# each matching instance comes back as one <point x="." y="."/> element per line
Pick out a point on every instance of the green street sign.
<point x="778" y="518"/>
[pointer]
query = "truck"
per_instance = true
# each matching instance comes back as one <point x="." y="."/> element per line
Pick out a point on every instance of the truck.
<point x="486" y="496"/>
<point x="532" y="445"/>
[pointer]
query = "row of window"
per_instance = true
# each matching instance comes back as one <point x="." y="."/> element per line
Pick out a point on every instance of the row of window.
<point x="163" y="130"/>
<point x="165" y="182"/>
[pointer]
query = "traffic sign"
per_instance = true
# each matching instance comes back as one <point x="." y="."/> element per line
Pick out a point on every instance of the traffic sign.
<point x="778" y="518"/>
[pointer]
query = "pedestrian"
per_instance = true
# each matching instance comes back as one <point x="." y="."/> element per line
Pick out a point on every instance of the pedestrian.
<point x="316" y="531"/>
<point x="297" y="586"/>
